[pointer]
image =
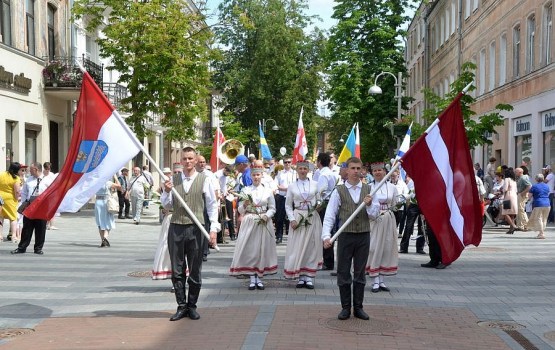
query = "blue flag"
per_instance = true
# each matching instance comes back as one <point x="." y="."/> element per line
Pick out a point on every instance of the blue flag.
<point x="264" y="149"/>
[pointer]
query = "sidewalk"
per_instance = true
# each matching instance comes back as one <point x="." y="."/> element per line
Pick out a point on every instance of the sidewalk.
<point x="78" y="296"/>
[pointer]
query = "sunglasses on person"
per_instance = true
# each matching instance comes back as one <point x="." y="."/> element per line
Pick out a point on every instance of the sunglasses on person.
<point x="287" y="162"/>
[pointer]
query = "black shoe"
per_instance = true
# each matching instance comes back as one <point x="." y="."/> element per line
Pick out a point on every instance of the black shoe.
<point x="441" y="266"/>
<point x="324" y="267"/>
<point x="429" y="264"/>
<point x="511" y="231"/>
<point x="128" y="217"/>
<point x="193" y="314"/>
<point x="309" y="286"/>
<point x="359" y="313"/>
<point x="106" y="242"/>
<point x="121" y="217"/>
<point x="259" y="286"/>
<point x="17" y="251"/>
<point x="252" y="286"/>
<point x="333" y="273"/>
<point x="301" y="284"/>
<point x="403" y="251"/>
<point x="103" y="244"/>
<point x="232" y="237"/>
<point x="39" y="252"/>
<point x="181" y="312"/>
<point x="344" y="314"/>
<point x="278" y="241"/>
<point x="384" y="287"/>
<point x="375" y="288"/>
<point x="204" y="258"/>
<point x="420" y="252"/>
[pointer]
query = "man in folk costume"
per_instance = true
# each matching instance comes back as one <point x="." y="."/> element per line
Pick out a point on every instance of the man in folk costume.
<point x="383" y="258"/>
<point x="185" y="239"/>
<point x="354" y="243"/>
<point x="303" y="256"/>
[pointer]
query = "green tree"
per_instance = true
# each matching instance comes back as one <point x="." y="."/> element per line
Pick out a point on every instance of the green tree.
<point x="365" y="42"/>
<point x="477" y="128"/>
<point x="162" y="50"/>
<point x="269" y="67"/>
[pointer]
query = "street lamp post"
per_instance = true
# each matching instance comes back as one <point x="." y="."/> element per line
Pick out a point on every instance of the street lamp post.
<point x="264" y="121"/>
<point x="376" y="90"/>
<point x="341" y="139"/>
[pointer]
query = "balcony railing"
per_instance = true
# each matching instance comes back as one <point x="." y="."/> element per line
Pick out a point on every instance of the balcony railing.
<point x="64" y="72"/>
<point x="115" y="93"/>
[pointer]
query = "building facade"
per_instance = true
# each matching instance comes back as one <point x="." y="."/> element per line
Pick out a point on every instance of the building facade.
<point x="511" y="43"/>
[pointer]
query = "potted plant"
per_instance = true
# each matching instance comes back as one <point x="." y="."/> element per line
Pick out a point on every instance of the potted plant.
<point x="52" y="71"/>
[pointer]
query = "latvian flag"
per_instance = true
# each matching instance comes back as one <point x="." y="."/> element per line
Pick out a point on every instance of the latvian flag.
<point x="100" y="145"/>
<point x="439" y="162"/>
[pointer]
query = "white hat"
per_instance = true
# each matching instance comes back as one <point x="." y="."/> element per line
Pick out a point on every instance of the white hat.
<point x="166" y="170"/>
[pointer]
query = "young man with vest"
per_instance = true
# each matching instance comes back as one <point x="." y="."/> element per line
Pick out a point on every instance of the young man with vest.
<point x="354" y="243"/>
<point x="185" y="239"/>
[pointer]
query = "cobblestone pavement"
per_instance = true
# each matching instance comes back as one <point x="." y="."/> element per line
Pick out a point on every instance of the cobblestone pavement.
<point x="77" y="296"/>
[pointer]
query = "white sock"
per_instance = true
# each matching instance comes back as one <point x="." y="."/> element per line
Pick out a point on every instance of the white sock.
<point x="376" y="280"/>
<point x="302" y="278"/>
<point x="308" y="279"/>
<point x="381" y="278"/>
<point x="253" y="279"/>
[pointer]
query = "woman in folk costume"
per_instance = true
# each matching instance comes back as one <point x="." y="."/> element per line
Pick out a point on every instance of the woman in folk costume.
<point x="255" y="250"/>
<point x="383" y="259"/>
<point x="303" y="256"/>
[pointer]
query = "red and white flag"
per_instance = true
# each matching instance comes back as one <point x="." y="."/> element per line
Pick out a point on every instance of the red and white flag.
<point x="216" y="153"/>
<point x="301" y="148"/>
<point x="100" y="145"/>
<point x="439" y="162"/>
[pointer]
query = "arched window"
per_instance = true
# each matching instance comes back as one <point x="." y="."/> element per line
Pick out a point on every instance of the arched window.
<point x="51" y="20"/>
<point x="6" y="22"/>
<point x="30" y="26"/>
<point x="530" y="43"/>
<point x="547" y="33"/>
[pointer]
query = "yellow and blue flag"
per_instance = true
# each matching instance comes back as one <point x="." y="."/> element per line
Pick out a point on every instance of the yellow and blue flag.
<point x="352" y="146"/>
<point x="264" y="149"/>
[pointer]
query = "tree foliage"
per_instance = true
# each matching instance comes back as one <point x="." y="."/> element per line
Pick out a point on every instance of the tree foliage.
<point x="269" y="67"/>
<point x="162" y="50"/>
<point x="477" y="129"/>
<point x="364" y="43"/>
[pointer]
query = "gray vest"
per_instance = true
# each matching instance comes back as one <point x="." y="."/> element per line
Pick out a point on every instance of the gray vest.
<point x="194" y="199"/>
<point x="361" y="222"/>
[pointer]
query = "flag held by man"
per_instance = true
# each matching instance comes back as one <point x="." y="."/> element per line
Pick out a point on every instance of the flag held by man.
<point x="100" y="145"/>
<point x="439" y="162"/>
<point x="301" y="148"/>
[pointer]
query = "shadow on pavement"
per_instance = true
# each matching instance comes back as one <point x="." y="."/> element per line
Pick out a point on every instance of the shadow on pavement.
<point x="132" y="314"/>
<point x="24" y="311"/>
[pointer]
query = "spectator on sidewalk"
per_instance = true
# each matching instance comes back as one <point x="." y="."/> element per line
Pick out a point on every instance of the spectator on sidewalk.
<point x="10" y="187"/>
<point x="136" y="193"/>
<point x="104" y="219"/>
<point x="540" y="204"/>
<point x="523" y="185"/>
<point x="123" y="199"/>
<point x="549" y="179"/>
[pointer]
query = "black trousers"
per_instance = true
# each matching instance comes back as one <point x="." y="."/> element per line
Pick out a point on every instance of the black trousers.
<point x="400" y="219"/>
<point x="328" y="258"/>
<point x="123" y="204"/>
<point x="229" y="223"/>
<point x="413" y="214"/>
<point x="281" y="217"/>
<point x="30" y="225"/>
<point x="185" y="243"/>
<point x="352" y="248"/>
<point x="434" y="248"/>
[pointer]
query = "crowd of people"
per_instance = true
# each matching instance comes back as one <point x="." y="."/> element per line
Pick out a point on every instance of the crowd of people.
<point x="258" y="202"/>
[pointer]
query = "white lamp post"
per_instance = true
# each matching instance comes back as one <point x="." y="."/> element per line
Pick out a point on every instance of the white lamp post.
<point x="264" y="121"/>
<point x="376" y="90"/>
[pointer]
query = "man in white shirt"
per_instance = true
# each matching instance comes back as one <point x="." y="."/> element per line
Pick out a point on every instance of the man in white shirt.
<point x="327" y="181"/>
<point x="283" y="179"/>
<point x="353" y="244"/>
<point x="403" y="191"/>
<point x="550" y="181"/>
<point x="201" y="168"/>
<point x="48" y="178"/>
<point x="136" y="193"/>
<point x="32" y="188"/>
<point x="185" y="239"/>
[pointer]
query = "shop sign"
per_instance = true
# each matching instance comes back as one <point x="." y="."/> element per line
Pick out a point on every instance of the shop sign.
<point x="18" y="83"/>
<point x="548" y="120"/>
<point x="522" y="126"/>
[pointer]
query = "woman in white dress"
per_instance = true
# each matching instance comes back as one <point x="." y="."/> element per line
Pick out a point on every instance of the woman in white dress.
<point x="383" y="259"/>
<point x="303" y="255"/>
<point x="255" y="251"/>
<point x="104" y="219"/>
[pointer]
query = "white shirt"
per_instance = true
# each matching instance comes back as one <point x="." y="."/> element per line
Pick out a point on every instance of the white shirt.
<point x="29" y="186"/>
<point x="402" y="190"/>
<point x="209" y="199"/>
<point x="284" y="178"/>
<point x="136" y="186"/>
<point x="334" y="204"/>
<point x="550" y="181"/>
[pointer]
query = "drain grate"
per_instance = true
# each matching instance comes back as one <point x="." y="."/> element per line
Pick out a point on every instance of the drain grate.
<point x="522" y="340"/>
<point x="503" y="325"/>
<point x="140" y="274"/>
<point x="6" y="333"/>
<point x="372" y="326"/>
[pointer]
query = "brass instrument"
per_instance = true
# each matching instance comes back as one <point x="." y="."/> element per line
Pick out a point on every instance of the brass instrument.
<point x="230" y="149"/>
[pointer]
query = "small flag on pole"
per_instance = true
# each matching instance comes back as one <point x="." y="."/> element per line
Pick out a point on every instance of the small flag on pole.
<point x="301" y="148"/>
<point x="216" y="153"/>
<point x="349" y="150"/>
<point x="264" y="149"/>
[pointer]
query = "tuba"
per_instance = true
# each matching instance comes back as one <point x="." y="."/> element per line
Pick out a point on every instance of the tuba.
<point x="230" y="149"/>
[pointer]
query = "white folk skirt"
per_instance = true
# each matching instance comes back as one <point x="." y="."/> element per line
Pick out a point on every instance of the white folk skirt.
<point x="255" y="248"/>
<point x="383" y="258"/>
<point x="303" y="255"/>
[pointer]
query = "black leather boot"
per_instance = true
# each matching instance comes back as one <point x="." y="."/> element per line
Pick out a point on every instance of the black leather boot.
<point x="182" y="310"/>
<point x="345" y="296"/>
<point x="358" y="298"/>
<point x="194" y="291"/>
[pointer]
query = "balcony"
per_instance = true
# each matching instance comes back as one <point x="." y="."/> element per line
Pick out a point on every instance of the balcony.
<point x="62" y="77"/>
<point x="115" y="93"/>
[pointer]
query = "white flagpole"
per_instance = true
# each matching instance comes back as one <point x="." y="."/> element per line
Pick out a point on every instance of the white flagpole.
<point x="147" y="155"/>
<point x="362" y="204"/>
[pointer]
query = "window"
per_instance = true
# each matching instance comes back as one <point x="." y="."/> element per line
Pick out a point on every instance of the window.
<point x="6" y="22"/>
<point x="467" y="8"/>
<point x="482" y="72"/>
<point x="503" y="60"/>
<point x="51" y="33"/>
<point x="30" y="26"/>
<point x="516" y="51"/>
<point x="447" y="23"/>
<point x="474" y="5"/>
<point x="453" y="16"/>
<point x="531" y="34"/>
<point x="547" y="30"/>
<point x="441" y="30"/>
<point x="491" y="70"/>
